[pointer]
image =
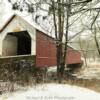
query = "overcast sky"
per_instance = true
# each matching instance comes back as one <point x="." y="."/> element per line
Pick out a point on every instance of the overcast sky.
<point x="6" y="12"/>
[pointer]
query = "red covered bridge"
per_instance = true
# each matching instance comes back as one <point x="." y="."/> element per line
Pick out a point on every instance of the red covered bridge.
<point x="20" y="37"/>
<point x="46" y="51"/>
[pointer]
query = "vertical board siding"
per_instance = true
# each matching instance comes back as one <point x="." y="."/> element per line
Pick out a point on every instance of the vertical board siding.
<point x="73" y="56"/>
<point x="46" y="52"/>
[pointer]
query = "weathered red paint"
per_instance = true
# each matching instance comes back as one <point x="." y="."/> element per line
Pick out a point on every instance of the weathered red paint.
<point x="46" y="52"/>
<point x="46" y="49"/>
<point x="73" y="56"/>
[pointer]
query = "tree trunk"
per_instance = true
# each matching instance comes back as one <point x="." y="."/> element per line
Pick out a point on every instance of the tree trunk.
<point x="97" y="44"/>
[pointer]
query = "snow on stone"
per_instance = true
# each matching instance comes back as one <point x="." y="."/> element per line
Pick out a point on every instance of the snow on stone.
<point x="53" y="92"/>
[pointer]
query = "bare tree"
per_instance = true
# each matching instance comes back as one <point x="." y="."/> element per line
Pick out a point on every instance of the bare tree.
<point x="60" y="12"/>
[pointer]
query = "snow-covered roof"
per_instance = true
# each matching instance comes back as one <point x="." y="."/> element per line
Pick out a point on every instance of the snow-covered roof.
<point x="31" y="22"/>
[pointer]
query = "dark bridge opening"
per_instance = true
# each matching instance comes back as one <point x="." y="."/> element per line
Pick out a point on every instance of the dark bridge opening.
<point x="22" y="45"/>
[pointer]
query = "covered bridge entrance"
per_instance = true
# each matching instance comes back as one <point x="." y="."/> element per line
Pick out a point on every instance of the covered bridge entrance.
<point x="17" y="43"/>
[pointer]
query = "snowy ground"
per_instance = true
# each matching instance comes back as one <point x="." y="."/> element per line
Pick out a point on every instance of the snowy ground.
<point x="92" y="71"/>
<point x="53" y="92"/>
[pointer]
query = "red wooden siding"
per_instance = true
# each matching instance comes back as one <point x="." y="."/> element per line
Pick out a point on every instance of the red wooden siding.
<point x="73" y="56"/>
<point x="46" y="51"/>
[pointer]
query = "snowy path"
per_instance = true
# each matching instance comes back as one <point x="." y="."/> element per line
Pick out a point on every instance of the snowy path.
<point x="53" y="92"/>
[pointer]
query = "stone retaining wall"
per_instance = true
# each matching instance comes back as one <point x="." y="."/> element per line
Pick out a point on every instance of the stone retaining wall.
<point x="16" y="67"/>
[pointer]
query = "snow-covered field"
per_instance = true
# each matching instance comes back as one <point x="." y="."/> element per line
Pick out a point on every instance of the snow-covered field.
<point x="53" y="92"/>
<point x="92" y="71"/>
